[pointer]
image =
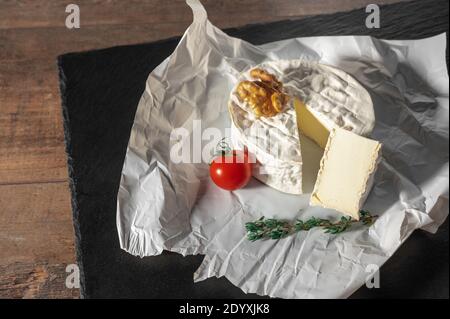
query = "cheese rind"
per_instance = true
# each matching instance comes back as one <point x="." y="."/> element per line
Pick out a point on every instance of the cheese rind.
<point x="346" y="172"/>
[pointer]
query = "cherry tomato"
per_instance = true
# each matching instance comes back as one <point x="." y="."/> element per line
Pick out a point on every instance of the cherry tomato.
<point x="231" y="171"/>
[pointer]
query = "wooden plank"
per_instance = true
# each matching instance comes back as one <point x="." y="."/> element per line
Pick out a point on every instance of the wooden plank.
<point x="35" y="280"/>
<point x="36" y="223"/>
<point x="314" y="7"/>
<point x="31" y="13"/>
<point x="35" y="43"/>
<point x="31" y="133"/>
<point x="36" y="241"/>
<point x="52" y="13"/>
<point x="27" y="75"/>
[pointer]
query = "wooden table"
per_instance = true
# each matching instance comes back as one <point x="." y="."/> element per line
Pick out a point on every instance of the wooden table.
<point x="36" y="231"/>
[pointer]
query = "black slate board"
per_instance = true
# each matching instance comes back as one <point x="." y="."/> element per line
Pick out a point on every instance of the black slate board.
<point x="100" y="91"/>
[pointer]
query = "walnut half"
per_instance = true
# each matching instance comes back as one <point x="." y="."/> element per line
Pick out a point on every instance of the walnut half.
<point x="264" y="95"/>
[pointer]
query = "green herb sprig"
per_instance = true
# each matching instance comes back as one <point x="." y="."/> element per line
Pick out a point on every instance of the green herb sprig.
<point x="276" y="229"/>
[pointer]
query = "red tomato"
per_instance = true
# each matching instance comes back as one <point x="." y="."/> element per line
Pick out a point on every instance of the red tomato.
<point x="231" y="171"/>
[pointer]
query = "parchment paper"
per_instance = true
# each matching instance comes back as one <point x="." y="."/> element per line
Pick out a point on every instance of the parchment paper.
<point x="163" y="205"/>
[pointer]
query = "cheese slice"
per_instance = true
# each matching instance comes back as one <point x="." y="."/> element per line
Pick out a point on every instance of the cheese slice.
<point x="309" y="125"/>
<point x="346" y="172"/>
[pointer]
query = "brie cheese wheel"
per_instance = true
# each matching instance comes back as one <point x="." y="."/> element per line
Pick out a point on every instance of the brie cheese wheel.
<point x="321" y="98"/>
<point x="346" y="172"/>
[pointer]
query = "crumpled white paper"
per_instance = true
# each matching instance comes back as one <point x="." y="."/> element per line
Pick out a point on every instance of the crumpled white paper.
<point x="166" y="206"/>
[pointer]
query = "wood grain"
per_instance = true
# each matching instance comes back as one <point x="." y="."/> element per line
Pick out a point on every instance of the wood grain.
<point x="42" y="223"/>
<point x="36" y="240"/>
<point x="31" y="133"/>
<point x="34" y="280"/>
<point x="223" y="13"/>
<point x="36" y="234"/>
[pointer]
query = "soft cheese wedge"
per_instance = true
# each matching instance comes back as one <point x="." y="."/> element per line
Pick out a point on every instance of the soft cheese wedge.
<point x="346" y="172"/>
<point x="321" y="98"/>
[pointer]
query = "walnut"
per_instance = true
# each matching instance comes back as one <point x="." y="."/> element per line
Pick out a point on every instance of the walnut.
<point x="263" y="95"/>
<point x="279" y="100"/>
<point x="266" y="77"/>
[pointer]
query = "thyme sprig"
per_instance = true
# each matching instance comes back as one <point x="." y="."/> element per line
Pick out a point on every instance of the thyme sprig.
<point x="276" y="229"/>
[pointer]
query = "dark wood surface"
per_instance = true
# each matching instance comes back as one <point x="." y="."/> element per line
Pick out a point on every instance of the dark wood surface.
<point x="36" y="231"/>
